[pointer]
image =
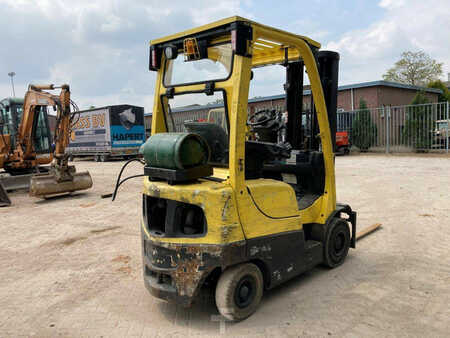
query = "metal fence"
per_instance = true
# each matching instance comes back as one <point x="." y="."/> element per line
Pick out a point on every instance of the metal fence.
<point x="409" y="128"/>
<point x="420" y="128"/>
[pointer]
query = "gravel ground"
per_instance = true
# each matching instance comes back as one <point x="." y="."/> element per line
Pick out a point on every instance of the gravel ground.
<point x="72" y="266"/>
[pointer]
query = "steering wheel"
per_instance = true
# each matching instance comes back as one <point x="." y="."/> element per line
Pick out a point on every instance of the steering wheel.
<point x="268" y="117"/>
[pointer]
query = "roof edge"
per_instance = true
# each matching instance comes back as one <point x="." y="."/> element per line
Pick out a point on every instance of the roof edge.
<point x="308" y="92"/>
<point x="389" y="84"/>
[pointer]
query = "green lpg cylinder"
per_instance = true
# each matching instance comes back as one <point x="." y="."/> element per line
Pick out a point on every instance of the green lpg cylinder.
<point x="175" y="151"/>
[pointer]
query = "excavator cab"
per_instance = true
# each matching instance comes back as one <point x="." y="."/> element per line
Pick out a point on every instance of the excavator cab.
<point x="264" y="210"/>
<point x="11" y="112"/>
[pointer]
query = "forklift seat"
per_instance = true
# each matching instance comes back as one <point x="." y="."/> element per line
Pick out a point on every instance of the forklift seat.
<point x="258" y="153"/>
<point x="309" y="172"/>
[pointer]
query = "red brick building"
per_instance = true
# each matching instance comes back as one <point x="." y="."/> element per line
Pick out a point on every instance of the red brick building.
<point x="376" y="94"/>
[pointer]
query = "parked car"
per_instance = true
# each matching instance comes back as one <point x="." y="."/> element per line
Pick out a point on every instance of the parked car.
<point x="441" y="134"/>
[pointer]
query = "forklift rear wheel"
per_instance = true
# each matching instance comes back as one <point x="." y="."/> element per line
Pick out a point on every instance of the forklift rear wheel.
<point x="337" y="243"/>
<point x="103" y="158"/>
<point x="239" y="291"/>
<point x="97" y="158"/>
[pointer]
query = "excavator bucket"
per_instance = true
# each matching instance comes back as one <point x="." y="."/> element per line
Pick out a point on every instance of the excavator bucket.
<point x="43" y="185"/>
<point x="4" y="199"/>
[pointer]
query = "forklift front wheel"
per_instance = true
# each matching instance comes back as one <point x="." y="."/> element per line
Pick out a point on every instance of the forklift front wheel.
<point x="239" y="291"/>
<point x="337" y="243"/>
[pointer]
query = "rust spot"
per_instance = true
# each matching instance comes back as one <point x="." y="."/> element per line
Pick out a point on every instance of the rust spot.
<point x="225" y="209"/>
<point x="184" y="200"/>
<point x="189" y="272"/>
<point x="257" y="249"/>
<point x="226" y="230"/>
<point x="154" y="191"/>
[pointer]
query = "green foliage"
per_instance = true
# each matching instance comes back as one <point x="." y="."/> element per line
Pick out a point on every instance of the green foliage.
<point x="364" y="131"/>
<point x="417" y="127"/>
<point x="438" y="84"/>
<point x="414" y="68"/>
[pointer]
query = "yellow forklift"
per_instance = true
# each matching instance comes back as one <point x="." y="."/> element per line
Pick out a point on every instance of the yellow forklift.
<point x="221" y="206"/>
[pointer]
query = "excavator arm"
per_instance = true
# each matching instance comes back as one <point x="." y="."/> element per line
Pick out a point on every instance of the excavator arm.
<point x="61" y="177"/>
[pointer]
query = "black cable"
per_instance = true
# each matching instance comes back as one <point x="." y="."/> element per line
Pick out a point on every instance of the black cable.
<point x="118" y="182"/>
<point x="75" y="112"/>
<point x="123" y="181"/>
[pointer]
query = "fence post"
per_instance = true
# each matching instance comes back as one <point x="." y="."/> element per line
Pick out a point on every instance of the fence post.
<point x="446" y="139"/>
<point x="387" y="117"/>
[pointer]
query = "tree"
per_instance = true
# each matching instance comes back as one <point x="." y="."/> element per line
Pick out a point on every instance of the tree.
<point x="438" y="84"/>
<point x="364" y="131"/>
<point x="417" y="129"/>
<point x="414" y="68"/>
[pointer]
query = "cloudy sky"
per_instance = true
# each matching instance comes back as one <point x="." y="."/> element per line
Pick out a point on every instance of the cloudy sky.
<point x="101" y="47"/>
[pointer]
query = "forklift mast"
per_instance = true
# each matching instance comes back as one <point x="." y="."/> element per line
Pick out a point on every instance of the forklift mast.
<point x="328" y="66"/>
<point x="328" y="62"/>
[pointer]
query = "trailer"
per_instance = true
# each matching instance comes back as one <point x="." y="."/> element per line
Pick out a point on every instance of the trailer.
<point x="108" y="132"/>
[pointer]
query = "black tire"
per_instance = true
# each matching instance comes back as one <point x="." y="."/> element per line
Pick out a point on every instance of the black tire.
<point x="70" y="158"/>
<point x="103" y="158"/>
<point x="239" y="291"/>
<point x="337" y="243"/>
<point x="96" y="158"/>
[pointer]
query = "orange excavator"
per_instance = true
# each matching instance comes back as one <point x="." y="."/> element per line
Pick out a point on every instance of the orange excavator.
<point x="25" y="145"/>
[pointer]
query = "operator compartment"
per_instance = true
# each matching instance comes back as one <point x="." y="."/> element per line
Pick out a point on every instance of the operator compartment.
<point x="285" y="142"/>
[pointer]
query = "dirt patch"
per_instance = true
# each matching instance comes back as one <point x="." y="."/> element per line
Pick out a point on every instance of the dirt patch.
<point x="125" y="269"/>
<point x="100" y="290"/>
<point x="70" y="241"/>
<point x="98" y="231"/>
<point x="121" y="259"/>
<point x="87" y="205"/>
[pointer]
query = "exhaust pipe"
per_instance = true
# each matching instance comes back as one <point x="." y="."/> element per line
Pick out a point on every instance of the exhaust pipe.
<point x="42" y="185"/>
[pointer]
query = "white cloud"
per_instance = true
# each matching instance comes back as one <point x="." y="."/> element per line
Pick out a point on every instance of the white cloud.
<point x="392" y="3"/>
<point x="413" y="25"/>
<point x="99" y="47"/>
